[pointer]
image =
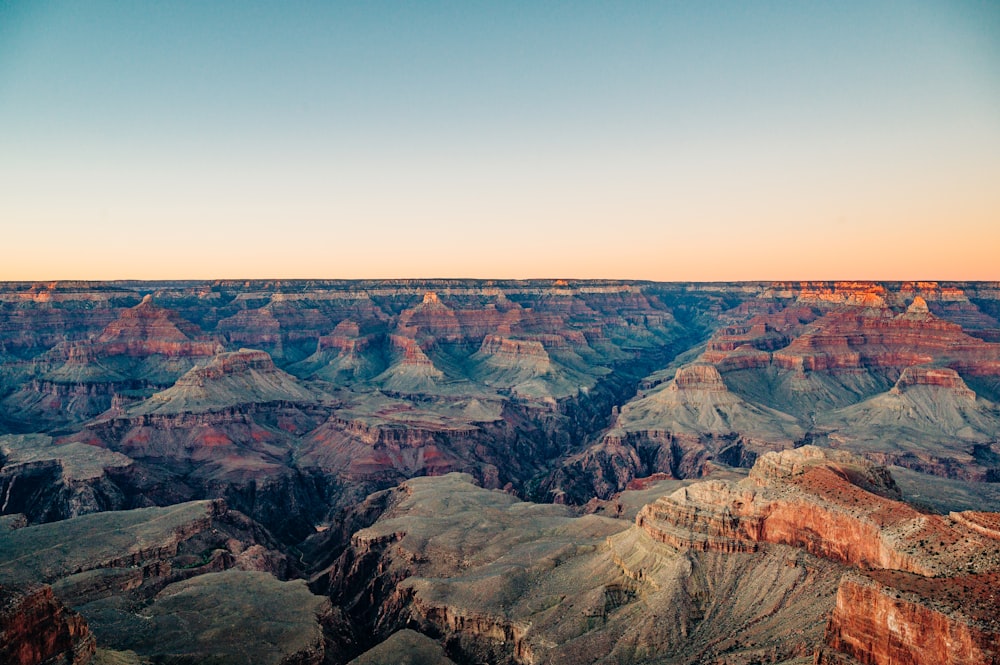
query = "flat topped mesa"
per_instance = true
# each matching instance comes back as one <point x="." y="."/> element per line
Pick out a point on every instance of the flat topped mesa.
<point x="698" y="376"/>
<point x="234" y="362"/>
<point x="431" y="297"/>
<point x="942" y="377"/>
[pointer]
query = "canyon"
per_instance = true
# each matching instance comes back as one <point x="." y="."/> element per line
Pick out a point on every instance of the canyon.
<point x="459" y="471"/>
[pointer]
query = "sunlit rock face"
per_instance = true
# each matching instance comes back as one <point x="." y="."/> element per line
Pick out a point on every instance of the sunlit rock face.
<point x="883" y="618"/>
<point x="36" y="628"/>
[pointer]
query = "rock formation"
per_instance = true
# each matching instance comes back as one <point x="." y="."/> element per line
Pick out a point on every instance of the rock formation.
<point x="675" y="429"/>
<point x="122" y="403"/>
<point x="145" y="347"/>
<point x="498" y="580"/>
<point x="929" y="421"/>
<point x="229" y="379"/>
<point x="48" y="482"/>
<point x="36" y="629"/>
<point x="190" y="582"/>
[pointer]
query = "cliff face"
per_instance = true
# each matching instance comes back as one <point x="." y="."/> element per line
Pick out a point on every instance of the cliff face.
<point x="924" y="588"/>
<point x="849" y="335"/>
<point x="208" y="582"/>
<point x="876" y="624"/>
<point x="880" y="339"/>
<point x="501" y="581"/>
<point x="47" y="482"/>
<point x="37" y="629"/>
<point x="800" y="498"/>
<point x="831" y="504"/>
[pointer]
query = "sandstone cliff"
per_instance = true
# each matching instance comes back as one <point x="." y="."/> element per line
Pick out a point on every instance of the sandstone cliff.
<point x="36" y="629"/>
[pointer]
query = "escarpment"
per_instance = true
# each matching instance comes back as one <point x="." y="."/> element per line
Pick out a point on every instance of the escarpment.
<point x="803" y="498"/>
<point x="922" y="589"/>
<point x="37" y="629"/>
<point x="883" y="618"/>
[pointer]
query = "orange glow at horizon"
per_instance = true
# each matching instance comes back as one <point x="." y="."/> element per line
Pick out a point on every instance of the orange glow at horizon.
<point x="673" y="142"/>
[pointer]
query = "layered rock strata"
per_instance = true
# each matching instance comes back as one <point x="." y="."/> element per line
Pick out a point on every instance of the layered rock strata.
<point x="37" y="629"/>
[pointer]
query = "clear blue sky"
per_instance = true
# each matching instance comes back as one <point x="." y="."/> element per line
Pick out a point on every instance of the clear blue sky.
<point x="660" y="140"/>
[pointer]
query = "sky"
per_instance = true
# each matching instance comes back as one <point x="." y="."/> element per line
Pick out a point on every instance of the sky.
<point x="660" y="140"/>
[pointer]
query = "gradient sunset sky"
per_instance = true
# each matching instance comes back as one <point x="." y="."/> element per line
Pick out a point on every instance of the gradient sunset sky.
<point x="639" y="140"/>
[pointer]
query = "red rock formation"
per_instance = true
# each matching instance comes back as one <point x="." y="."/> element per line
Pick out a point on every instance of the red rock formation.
<point x="146" y="330"/>
<point x="876" y="338"/>
<point x="941" y="377"/>
<point x="698" y="377"/>
<point x="411" y="353"/>
<point x="822" y="501"/>
<point x="255" y="327"/>
<point x="715" y="516"/>
<point x="926" y="591"/>
<point x="36" y="629"/>
<point x="284" y="326"/>
<point x="987" y="524"/>
<point x="242" y="361"/>
<point x="431" y="318"/>
<point x="143" y="330"/>
<point x="370" y="452"/>
<point x="346" y="338"/>
<point x="895" y="624"/>
<point x="864" y="294"/>
<point x="500" y="348"/>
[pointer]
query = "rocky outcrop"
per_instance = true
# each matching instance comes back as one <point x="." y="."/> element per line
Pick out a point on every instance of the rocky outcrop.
<point x="863" y="294"/>
<point x="676" y="429"/>
<point x="875" y="623"/>
<point x="405" y="646"/>
<point x="496" y="580"/>
<point x="481" y="636"/>
<point x="48" y="482"/>
<point x="147" y="330"/>
<point x="930" y="421"/>
<point x="145" y="347"/>
<point x="346" y="355"/>
<point x="510" y="351"/>
<point x="140" y="552"/>
<point x="287" y="325"/>
<point x="830" y="504"/>
<point x="924" y="589"/>
<point x="229" y="617"/>
<point x="37" y="317"/>
<point x="241" y="377"/>
<point x="430" y="319"/>
<point x="368" y="449"/>
<point x="880" y="339"/>
<point x="140" y="559"/>
<point x="37" y="629"/>
<point x="138" y="332"/>
<point x="940" y="377"/>
<point x="410" y="352"/>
